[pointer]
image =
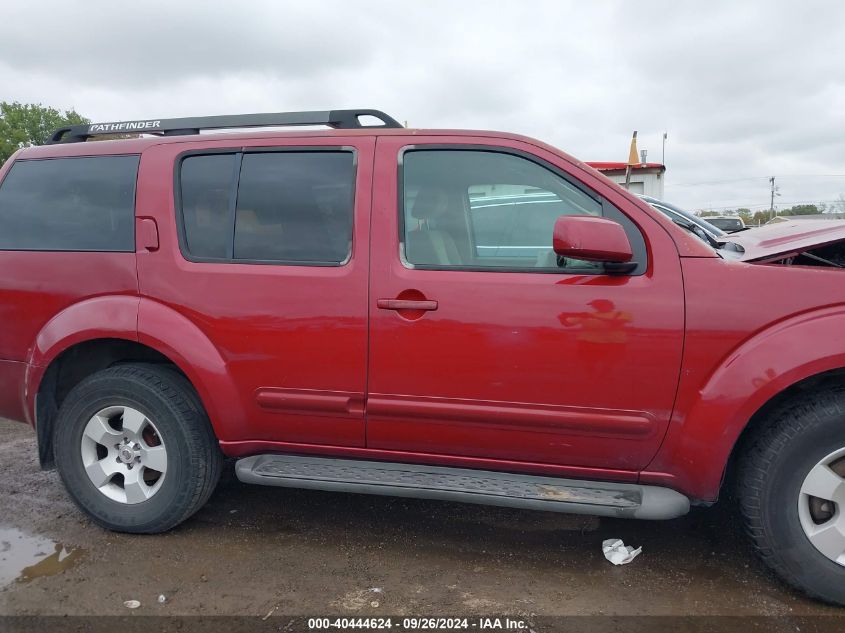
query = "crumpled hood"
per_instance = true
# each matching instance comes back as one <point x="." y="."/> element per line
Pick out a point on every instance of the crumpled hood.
<point x="783" y="238"/>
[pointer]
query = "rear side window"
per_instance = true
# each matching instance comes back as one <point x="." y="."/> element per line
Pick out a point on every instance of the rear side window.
<point x="291" y="207"/>
<point x="69" y="204"/>
<point x="206" y="183"/>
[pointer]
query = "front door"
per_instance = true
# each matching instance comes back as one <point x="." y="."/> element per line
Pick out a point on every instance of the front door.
<point x="484" y="344"/>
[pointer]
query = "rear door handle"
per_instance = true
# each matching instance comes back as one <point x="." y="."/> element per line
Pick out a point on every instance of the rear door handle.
<point x="406" y="304"/>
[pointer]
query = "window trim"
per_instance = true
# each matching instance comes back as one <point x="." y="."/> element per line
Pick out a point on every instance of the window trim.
<point x="239" y="151"/>
<point x="609" y="210"/>
<point x="133" y="248"/>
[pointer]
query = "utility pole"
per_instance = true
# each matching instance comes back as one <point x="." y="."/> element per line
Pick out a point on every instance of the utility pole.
<point x="663" y="156"/>
<point x="772" y="203"/>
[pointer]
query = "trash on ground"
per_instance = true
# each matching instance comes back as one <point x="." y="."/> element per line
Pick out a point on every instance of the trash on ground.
<point x="618" y="553"/>
<point x="162" y="598"/>
<point x="131" y="604"/>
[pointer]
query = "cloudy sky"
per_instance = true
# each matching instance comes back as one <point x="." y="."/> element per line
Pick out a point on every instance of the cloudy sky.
<point x="745" y="90"/>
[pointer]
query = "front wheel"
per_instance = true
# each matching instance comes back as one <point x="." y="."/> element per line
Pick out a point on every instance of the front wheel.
<point x="792" y="494"/>
<point x="134" y="448"/>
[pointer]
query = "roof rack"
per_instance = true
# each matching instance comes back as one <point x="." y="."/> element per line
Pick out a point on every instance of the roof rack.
<point x="338" y="119"/>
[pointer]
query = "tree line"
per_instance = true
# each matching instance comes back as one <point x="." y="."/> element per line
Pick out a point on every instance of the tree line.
<point x="753" y="218"/>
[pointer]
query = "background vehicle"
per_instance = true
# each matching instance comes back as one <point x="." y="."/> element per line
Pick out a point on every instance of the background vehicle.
<point x="729" y="224"/>
<point x="693" y="223"/>
<point x="359" y="309"/>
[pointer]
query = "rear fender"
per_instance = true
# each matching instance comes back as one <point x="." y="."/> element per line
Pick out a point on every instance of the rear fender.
<point x="111" y="316"/>
<point x="174" y="335"/>
<point x="154" y="325"/>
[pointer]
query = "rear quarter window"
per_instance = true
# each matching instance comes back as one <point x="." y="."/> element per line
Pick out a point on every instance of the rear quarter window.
<point x="69" y="204"/>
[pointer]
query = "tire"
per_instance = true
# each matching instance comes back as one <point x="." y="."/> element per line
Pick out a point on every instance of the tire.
<point x="142" y="434"/>
<point x="776" y="475"/>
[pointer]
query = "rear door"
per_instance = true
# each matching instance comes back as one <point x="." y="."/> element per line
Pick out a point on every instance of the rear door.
<point x="483" y="344"/>
<point x="264" y="249"/>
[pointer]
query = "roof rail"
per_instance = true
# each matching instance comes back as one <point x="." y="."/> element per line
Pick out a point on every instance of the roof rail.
<point x="338" y="119"/>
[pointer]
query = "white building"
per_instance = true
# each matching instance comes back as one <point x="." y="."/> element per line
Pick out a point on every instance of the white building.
<point x="646" y="178"/>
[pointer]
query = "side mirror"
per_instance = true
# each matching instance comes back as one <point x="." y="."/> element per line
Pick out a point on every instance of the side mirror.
<point x="592" y="239"/>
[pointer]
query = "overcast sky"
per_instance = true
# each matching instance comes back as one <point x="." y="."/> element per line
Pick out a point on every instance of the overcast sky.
<point x="745" y="90"/>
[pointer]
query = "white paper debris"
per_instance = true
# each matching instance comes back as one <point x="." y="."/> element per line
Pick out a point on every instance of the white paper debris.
<point x="618" y="553"/>
<point x="131" y="604"/>
<point x="162" y="598"/>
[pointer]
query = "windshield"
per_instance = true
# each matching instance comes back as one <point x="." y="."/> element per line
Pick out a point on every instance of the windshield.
<point x="729" y="224"/>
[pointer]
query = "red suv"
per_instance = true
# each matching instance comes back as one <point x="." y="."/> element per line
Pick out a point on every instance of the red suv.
<point x="461" y="315"/>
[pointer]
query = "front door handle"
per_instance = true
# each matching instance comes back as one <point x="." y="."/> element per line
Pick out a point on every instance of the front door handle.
<point x="406" y="304"/>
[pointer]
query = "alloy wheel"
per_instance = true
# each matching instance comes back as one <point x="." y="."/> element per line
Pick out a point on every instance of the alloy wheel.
<point x="123" y="454"/>
<point x="821" y="506"/>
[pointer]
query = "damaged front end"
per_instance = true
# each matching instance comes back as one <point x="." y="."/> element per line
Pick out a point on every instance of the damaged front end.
<point x="818" y="243"/>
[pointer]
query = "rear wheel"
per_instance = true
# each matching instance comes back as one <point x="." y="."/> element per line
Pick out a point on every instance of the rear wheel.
<point x="135" y="450"/>
<point x="792" y="494"/>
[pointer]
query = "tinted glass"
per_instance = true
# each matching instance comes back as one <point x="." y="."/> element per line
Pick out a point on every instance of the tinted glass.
<point x="295" y="207"/>
<point x="69" y="204"/>
<point x="206" y="185"/>
<point x="486" y="209"/>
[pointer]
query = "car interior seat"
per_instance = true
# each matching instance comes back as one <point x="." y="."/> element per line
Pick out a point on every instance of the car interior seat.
<point x="430" y="243"/>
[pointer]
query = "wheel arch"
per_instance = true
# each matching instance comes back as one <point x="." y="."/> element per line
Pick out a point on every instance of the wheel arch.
<point x="87" y="338"/>
<point x="762" y="417"/>
<point x="53" y="381"/>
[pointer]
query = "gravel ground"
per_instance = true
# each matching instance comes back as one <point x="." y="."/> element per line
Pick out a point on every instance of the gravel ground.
<point x="254" y="550"/>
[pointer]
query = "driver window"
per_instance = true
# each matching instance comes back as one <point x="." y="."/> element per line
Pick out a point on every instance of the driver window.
<point x="485" y="209"/>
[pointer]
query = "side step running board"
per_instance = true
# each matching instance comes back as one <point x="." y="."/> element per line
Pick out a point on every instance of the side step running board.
<point x="464" y="485"/>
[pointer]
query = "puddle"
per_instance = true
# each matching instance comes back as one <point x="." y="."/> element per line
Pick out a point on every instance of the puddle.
<point x="24" y="557"/>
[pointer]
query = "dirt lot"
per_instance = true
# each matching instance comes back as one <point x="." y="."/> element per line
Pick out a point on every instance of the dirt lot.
<point x="255" y="550"/>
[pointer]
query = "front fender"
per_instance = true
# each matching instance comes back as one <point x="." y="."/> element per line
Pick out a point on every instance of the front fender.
<point x="174" y="335"/>
<point x="695" y="452"/>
